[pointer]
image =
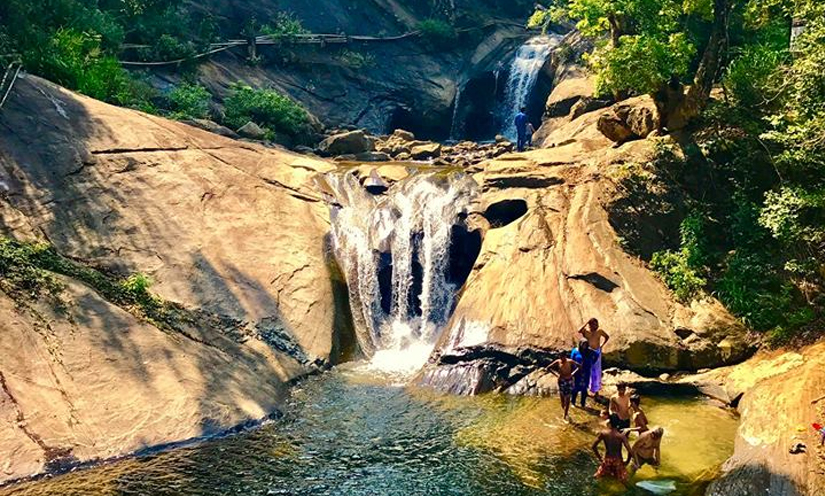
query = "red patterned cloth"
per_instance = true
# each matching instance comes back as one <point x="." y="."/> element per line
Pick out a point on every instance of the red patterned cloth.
<point x="612" y="467"/>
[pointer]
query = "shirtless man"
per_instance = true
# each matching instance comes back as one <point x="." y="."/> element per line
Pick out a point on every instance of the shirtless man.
<point x="597" y="338"/>
<point x="640" y="423"/>
<point x="565" y="369"/>
<point x="620" y="406"/>
<point x="647" y="449"/>
<point x="612" y="465"/>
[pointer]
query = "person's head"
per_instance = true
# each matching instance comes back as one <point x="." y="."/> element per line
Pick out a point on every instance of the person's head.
<point x="657" y="433"/>
<point x="584" y="346"/>
<point x="622" y="388"/>
<point x="593" y="324"/>
<point x="635" y="400"/>
<point x="605" y="413"/>
<point x="615" y="422"/>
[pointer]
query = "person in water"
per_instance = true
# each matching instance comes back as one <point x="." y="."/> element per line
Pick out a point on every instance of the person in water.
<point x="620" y="406"/>
<point x="597" y="339"/>
<point x="612" y="465"/>
<point x="581" y="381"/>
<point x="521" y="123"/>
<point x="647" y="449"/>
<point x="565" y="369"/>
<point x="639" y="418"/>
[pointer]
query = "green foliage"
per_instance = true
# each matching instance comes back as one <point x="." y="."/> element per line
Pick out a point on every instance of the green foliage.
<point x="190" y="101"/>
<point x="27" y="270"/>
<point x="76" y="42"/>
<point x="641" y="63"/>
<point x="356" y="60"/>
<point x="271" y="110"/>
<point x="438" y="33"/>
<point x="20" y="273"/>
<point x="682" y="271"/>
<point x="748" y="77"/>
<point x="284" y="25"/>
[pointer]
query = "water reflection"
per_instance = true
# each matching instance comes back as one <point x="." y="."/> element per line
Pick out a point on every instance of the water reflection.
<point x="347" y="433"/>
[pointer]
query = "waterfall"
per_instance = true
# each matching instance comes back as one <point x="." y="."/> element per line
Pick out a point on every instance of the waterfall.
<point x="524" y="73"/>
<point x="455" y="126"/>
<point x="394" y="250"/>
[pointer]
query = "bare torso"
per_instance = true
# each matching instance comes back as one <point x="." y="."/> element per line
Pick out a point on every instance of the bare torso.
<point x="613" y="441"/>
<point x="620" y="405"/>
<point x="645" y="447"/>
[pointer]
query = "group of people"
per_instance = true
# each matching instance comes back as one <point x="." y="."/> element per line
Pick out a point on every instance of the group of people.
<point x="581" y="373"/>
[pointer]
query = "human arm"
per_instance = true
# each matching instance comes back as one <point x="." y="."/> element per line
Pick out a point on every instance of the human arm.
<point x="656" y="455"/>
<point x="551" y="368"/>
<point x="606" y="337"/>
<point x="628" y="448"/>
<point x="595" y="447"/>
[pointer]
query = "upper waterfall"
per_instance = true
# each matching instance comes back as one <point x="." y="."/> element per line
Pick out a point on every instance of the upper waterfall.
<point x="395" y="251"/>
<point x="524" y="72"/>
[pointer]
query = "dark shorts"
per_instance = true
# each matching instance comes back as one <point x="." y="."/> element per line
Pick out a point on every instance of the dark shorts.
<point x="566" y="387"/>
<point x="624" y="424"/>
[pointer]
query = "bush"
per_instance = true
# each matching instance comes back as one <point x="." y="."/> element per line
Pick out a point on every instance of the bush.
<point x="190" y="101"/>
<point x="675" y="270"/>
<point x="271" y="110"/>
<point x="21" y="274"/>
<point x="356" y="60"/>
<point x="748" y="77"/>
<point x="284" y="25"/>
<point x="437" y="33"/>
<point x="683" y="271"/>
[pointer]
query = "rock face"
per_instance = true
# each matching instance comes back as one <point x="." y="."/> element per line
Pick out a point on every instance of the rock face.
<point x="231" y="231"/>
<point x="348" y="143"/>
<point x="634" y="119"/>
<point x="778" y="396"/>
<point x="551" y="260"/>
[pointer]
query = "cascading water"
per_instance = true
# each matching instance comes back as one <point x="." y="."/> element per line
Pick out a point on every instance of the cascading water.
<point x="395" y="252"/>
<point x="524" y="73"/>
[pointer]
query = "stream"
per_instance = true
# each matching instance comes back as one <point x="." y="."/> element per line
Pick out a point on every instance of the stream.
<point x="353" y="432"/>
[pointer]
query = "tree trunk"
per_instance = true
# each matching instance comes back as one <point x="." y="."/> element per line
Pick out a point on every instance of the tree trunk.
<point x="699" y="93"/>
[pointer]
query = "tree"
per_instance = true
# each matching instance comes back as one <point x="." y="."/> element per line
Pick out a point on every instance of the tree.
<point x="650" y="47"/>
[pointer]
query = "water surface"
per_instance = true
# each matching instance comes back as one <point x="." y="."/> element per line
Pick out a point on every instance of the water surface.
<point x="350" y="433"/>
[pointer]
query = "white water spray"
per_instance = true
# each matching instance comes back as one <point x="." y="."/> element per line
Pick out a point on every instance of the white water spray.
<point x="410" y="227"/>
<point x="524" y="73"/>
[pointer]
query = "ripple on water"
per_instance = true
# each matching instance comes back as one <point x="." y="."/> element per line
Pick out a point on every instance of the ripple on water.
<point x="349" y="433"/>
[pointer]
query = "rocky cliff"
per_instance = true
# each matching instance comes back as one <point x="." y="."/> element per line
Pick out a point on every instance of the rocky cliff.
<point x="551" y="259"/>
<point x="411" y="83"/>
<point x="231" y="233"/>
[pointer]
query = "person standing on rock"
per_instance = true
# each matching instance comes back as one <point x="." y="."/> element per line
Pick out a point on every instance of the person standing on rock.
<point x="594" y="335"/>
<point x="565" y="370"/>
<point x="581" y="382"/>
<point x="612" y="465"/>
<point x="521" y="122"/>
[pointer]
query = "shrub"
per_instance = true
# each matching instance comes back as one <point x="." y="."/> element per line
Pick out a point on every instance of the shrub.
<point x="190" y="101"/>
<point x="21" y="274"/>
<point x="284" y="25"/>
<point x="747" y="78"/>
<point x="356" y="60"/>
<point x="684" y="271"/>
<point x="271" y="110"/>
<point x="437" y="33"/>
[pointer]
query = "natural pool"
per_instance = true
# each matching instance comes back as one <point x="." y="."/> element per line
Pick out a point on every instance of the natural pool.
<point x="352" y="433"/>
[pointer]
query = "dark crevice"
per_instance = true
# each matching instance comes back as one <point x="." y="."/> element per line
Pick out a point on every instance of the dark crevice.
<point x="597" y="280"/>
<point x="505" y="212"/>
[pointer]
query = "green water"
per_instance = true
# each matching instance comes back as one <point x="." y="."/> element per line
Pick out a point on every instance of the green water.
<point x="348" y="433"/>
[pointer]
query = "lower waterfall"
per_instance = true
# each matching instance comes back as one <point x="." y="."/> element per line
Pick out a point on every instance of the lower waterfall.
<point x="398" y="253"/>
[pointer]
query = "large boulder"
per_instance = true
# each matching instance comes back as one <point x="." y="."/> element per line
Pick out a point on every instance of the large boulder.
<point x="633" y="119"/>
<point x="551" y="259"/>
<point x="233" y="233"/>
<point x="778" y="395"/>
<point x="252" y="131"/>
<point x="347" y="143"/>
<point x="426" y="151"/>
